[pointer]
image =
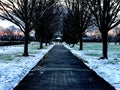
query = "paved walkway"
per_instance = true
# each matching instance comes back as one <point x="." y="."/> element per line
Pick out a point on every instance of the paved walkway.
<point x="60" y="70"/>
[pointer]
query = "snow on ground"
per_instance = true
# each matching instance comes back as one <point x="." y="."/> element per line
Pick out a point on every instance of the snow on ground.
<point x="108" y="69"/>
<point x="14" y="67"/>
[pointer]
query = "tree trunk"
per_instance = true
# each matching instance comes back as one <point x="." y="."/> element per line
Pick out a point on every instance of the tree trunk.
<point x="46" y="42"/>
<point x="26" y="44"/>
<point x="41" y="42"/>
<point x="105" y="45"/>
<point x="73" y="45"/>
<point x="81" y="42"/>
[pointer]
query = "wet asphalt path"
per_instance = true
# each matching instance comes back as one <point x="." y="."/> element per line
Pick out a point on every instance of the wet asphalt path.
<point x="60" y="70"/>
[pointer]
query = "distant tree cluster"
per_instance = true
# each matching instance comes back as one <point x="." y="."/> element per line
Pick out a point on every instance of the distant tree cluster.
<point x="11" y="34"/>
<point x="70" y="35"/>
<point x="45" y="27"/>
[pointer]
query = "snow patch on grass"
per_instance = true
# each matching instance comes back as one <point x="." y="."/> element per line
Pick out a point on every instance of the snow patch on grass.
<point x="15" y="67"/>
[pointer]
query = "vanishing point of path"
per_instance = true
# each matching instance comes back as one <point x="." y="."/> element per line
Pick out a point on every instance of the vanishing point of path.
<point x="60" y="70"/>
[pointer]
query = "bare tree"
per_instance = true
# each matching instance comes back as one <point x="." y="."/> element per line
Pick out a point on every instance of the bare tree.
<point x="42" y="27"/>
<point x="70" y="34"/>
<point x="81" y="16"/>
<point x="107" y="15"/>
<point x="21" y="13"/>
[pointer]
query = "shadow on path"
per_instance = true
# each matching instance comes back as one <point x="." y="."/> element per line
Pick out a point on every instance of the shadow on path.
<point x="60" y="70"/>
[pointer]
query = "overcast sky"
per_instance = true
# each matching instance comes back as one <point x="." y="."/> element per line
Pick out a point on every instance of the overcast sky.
<point x="5" y="23"/>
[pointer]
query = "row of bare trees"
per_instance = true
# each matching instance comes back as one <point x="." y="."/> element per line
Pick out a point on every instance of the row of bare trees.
<point x="26" y="14"/>
<point x="30" y="14"/>
<point x="105" y="14"/>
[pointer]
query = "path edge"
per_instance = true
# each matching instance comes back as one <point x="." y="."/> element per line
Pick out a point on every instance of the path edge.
<point x="84" y="61"/>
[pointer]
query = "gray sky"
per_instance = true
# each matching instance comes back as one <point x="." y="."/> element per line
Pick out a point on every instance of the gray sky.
<point x="5" y="23"/>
